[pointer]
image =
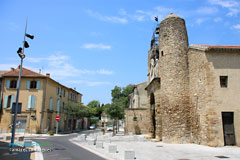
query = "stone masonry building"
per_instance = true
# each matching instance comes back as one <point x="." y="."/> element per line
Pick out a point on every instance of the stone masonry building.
<point x="193" y="91"/>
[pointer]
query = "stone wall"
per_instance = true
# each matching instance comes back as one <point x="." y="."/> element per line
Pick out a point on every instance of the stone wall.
<point x="141" y="123"/>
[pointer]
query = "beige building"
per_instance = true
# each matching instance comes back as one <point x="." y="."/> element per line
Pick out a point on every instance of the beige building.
<point x="138" y="99"/>
<point x="42" y="99"/>
<point x="193" y="91"/>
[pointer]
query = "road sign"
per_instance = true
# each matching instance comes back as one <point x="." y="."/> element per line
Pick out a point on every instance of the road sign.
<point x="57" y="118"/>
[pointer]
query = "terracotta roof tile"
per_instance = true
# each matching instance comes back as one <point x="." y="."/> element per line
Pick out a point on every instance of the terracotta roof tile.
<point x="216" y="46"/>
<point x="25" y="73"/>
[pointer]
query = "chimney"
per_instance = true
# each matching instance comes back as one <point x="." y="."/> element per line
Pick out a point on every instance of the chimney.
<point x="12" y="69"/>
<point x="48" y="74"/>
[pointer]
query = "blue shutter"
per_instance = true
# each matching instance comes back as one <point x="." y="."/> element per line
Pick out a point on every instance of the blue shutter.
<point x="29" y="101"/>
<point x="28" y="84"/>
<point x="12" y="100"/>
<point x="57" y="106"/>
<point x="5" y="101"/>
<point x="57" y="90"/>
<point x="51" y="104"/>
<point x="33" y="101"/>
<point x="8" y="83"/>
<point x="38" y="84"/>
<point x="60" y="91"/>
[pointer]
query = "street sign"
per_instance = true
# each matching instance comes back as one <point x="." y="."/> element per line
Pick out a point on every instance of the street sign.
<point x="57" y="118"/>
<point x="19" y="109"/>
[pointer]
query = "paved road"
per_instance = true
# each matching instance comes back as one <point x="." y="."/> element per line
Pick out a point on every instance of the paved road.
<point x="63" y="149"/>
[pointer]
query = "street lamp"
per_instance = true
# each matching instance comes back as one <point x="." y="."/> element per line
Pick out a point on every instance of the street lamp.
<point x="21" y="54"/>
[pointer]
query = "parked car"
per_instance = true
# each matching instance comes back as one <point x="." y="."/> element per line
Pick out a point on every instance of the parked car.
<point x="93" y="126"/>
<point x="109" y="128"/>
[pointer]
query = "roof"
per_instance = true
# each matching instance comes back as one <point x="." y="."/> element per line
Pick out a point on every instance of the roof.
<point x="28" y="73"/>
<point x="216" y="46"/>
<point x="25" y="73"/>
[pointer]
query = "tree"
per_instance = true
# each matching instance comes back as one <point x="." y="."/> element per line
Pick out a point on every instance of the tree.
<point x="116" y="93"/>
<point x="96" y="108"/>
<point x="79" y="110"/>
<point x="119" y="102"/>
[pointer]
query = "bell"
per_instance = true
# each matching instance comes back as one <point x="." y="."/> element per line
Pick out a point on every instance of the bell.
<point x="30" y="36"/>
<point x="26" y="44"/>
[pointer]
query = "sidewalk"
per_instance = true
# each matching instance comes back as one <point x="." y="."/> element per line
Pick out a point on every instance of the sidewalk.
<point x="147" y="150"/>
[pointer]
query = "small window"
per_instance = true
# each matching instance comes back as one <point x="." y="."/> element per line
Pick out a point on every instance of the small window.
<point x="64" y="93"/>
<point x="33" y="84"/>
<point x="13" y="84"/>
<point x="224" y="81"/>
<point x="9" y="101"/>
<point x="162" y="53"/>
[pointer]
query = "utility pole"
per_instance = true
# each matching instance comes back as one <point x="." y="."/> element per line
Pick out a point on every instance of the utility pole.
<point x="22" y="56"/>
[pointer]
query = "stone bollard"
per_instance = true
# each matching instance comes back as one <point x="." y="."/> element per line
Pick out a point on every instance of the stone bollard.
<point x="129" y="155"/>
<point x="100" y="138"/>
<point x="91" y="141"/>
<point x="81" y="138"/>
<point x="112" y="148"/>
<point x="141" y="139"/>
<point x="99" y="145"/>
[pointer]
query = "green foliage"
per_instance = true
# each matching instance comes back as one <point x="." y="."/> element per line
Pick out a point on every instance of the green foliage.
<point x="93" y="104"/>
<point x="116" y="93"/>
<point x="119" y="102"/>
<point x="96" y="108"/>
<point x="79" y="110"/>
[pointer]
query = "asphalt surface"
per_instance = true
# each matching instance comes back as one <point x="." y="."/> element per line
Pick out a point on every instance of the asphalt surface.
<point x="60" y="148"/>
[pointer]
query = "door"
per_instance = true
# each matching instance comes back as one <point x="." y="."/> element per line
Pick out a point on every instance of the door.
<point x="74" y="125"/>
<point x="228" y="128"/>
<point x="21" y="124"/>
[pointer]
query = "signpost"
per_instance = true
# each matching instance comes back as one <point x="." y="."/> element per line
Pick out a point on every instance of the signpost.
<point x="57" y="119"/>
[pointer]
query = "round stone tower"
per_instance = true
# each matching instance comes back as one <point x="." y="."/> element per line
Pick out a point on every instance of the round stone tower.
<point x="174" y="98"/>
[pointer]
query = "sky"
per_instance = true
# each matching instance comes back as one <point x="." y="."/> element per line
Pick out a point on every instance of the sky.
<point x="94" y="45"/>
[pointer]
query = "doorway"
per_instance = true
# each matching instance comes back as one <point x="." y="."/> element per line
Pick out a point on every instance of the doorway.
<point x="152" y="102"/>
<point x="228" y="128"/>
<point x="21" y="124"/>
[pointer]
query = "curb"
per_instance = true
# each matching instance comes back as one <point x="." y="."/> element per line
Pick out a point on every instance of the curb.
<point x="90" y="150"/>
<point x="38" y="155"/>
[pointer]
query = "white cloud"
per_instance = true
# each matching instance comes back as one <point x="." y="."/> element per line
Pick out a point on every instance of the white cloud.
<point x="207" y="10"/>
<point x="13" y="26"/>
<point x="7" y="67"/>
<point x="232" y="5"/>
<point x="89" y="83"/>
<point x="201" y="20"/>
<point x="59" y="66"/>
<point x="113" y="19"/>
<point x="96" y="46"/>
<point x="237" y="26"/>
<point x="218" y="19"/>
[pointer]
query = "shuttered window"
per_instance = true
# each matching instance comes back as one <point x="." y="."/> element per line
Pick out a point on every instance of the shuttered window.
<point x="31" y="101"/>
<point x="51" y="104"/>
<point x="8" y="101"/>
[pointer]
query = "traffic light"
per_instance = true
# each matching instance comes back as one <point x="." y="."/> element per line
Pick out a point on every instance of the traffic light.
<point x="21" y="55"/>
<point x="26" y="45"/>
<point x="29" y="36"/>
<point x="19" y="50"/>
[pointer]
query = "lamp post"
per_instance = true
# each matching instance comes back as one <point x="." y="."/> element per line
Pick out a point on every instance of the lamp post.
<point x="22" y="56"/>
